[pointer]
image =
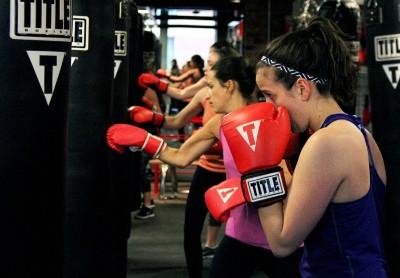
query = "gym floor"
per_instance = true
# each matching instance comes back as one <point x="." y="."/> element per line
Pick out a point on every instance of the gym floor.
<point x="155" y="246"/>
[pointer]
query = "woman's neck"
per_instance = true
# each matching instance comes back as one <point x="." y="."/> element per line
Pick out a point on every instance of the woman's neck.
<point x="324" y="107"/>
<point x="236" y="102"/>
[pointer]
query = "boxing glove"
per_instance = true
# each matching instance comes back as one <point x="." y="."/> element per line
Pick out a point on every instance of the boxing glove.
<point x="151" y="81"/>
<point x="292" y="147"/>
<point x="162" y="73"/>
<point x="147" y="103"/>
<point x="141" y="115"/>
<point x="258" y="136"/>
<point x="221" y="198"/>
<point x="120" y="136"/>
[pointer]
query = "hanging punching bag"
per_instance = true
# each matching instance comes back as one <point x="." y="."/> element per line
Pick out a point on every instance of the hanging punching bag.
<point x="34" y="65"/>
<point x="383" y="59"/>
<point x="135" y="54"/>
<point x="346" y="14"/>
<point x="121" y="166"/>
<point x="88" y="236"/>
<point x="135" y="37"/>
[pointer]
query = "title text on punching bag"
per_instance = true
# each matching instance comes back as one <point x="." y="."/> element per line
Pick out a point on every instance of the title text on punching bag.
<point x="48" y="20"/>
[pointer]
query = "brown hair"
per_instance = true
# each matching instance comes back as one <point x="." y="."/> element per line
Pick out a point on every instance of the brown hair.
<point x="318" y="50"/>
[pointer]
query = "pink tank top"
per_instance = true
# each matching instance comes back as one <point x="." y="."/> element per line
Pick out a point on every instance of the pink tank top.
<point x="243" y="223"/>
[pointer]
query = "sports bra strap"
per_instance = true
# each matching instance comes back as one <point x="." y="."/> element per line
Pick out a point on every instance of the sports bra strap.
<point x="357" y="122"/>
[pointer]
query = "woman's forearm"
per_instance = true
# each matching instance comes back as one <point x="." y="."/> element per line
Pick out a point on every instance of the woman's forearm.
<point x="271" y="218"/>
<point x="188" y="92"/>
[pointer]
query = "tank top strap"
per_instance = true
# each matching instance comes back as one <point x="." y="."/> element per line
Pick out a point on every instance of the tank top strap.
<point x="357" y="122"/>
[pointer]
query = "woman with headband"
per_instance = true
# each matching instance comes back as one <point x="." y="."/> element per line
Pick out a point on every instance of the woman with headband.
<point x="336" y="196"/>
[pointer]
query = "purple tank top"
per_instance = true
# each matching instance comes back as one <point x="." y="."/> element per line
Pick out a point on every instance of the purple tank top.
<point x="243" y="223"/>
<point x="347" y="241"/>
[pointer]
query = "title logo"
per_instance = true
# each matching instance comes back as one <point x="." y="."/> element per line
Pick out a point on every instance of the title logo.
<point x="226" y="193"/>
<point x="387" y="47"/>
<point x="80" y="33"/>
<point x="45" y="20"/>
<point x="47" y="66"/>
<point x="249" y="132"/>
<point x="120" y="43"/>
<point x="265" y="186"/>
<point x="392" y="72"/>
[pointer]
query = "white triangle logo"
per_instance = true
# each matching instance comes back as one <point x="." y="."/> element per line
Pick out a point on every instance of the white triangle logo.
<point x="249" y="132"/>
<point x="392" y="72"/>
<point x="47" y="66"/>
<point x="226" y="193"/>
<point x="117" y="63"/>
<point x="73" y="59"/>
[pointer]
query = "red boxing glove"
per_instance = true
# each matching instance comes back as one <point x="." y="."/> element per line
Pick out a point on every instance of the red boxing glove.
<point x="141" y="115"/>
<point x="147" y="103"/>
<point x="293" y="146"/>
<point x="150" y="80"/>
<point x="258" y="136"/>
<point x="162" y="73"/>
<point x="221" y="198"/>
<point x="120" y="136"/>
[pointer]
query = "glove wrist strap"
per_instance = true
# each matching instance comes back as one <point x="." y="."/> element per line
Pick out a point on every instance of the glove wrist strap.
<point x="158" y="119"/>
<point x="264" y="187"/>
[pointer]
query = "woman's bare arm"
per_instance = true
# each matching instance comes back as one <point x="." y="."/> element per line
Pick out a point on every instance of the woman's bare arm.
<point x="187" y="92"/>
<point x="183" y="76"/>
<point x="192" y="109"/>
<point x="194" y="146"/>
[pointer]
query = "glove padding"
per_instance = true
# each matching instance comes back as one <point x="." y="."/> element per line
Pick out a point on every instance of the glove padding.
<point x="259" y="189"/>
<point x="221" y="198"/>
<point x="162" y="73"/>
<point x="120" y="136"/>
<point x="257" y="135"/>
<point x="148" y="80"/>
<point x="147" y="103"/>
<point x="292" y="147"/>
<point x="141" y="115"/>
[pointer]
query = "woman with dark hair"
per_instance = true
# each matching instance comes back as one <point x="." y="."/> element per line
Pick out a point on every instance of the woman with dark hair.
<point x="174" y="68"/>
<point x="210" y="168"/>
<point x="336" y="197"/>
<point x="191" y="75"/>
<point x="231" y="87"/>
<point x="217" y="50"/>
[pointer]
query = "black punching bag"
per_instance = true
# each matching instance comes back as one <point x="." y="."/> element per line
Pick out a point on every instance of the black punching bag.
<point x="34" y="72"/>
<point x="135" y="55"/>
<point x="135" y="94"/>
<point x="383" y="58"/>
<point x="88" y="236"/>
<point x="346" y="14"/>
<point x="120" y="165"/>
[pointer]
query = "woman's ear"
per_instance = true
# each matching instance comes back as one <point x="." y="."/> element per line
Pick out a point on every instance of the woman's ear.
<point x="230" y="85"/>
<point x="303" y="86"/>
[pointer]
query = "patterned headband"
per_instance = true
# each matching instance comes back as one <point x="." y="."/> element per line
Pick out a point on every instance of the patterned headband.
<point x="267" y="61"/>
